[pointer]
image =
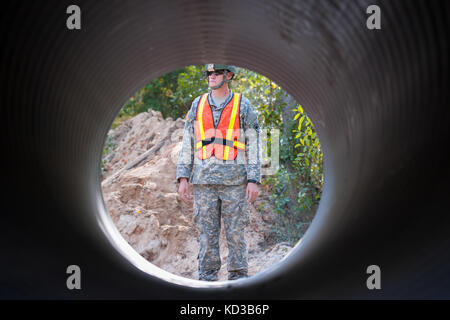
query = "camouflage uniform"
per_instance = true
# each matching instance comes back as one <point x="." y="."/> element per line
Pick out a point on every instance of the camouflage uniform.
<point x="219" y="191"/>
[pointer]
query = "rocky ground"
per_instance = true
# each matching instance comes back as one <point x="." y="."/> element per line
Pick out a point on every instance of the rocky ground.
<point x="142" y="199"/>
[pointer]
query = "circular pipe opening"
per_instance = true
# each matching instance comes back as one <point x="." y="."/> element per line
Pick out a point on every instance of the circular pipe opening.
<point x="111" y="229"/>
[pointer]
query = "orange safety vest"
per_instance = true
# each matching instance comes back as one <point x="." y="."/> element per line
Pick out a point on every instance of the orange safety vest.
<point x="223" y="141"/>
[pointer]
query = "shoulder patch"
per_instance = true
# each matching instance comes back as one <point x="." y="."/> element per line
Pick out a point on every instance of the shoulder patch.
<point x="187" y="115"/>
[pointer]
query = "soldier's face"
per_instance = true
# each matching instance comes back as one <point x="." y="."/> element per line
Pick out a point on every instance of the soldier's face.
<point x="214" y="80"/>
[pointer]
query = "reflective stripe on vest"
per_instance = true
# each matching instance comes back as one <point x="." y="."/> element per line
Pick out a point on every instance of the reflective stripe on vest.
<point x="223" y="141"/>
<point x="201" y="107"/>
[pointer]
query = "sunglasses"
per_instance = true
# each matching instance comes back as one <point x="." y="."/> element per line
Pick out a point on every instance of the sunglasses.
<point x="216" y="73"/>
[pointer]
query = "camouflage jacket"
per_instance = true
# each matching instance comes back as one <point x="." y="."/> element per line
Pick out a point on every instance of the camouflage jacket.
<point x="246" y="166"/>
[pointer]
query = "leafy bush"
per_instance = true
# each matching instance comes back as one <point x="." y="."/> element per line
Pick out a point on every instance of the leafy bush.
<point x="297" y="186"/>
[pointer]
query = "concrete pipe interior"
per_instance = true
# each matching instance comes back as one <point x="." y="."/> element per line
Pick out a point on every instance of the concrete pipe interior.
<point x="377" y="98"/>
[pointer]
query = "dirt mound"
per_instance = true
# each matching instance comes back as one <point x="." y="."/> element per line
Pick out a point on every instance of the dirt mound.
<point x="141" y="197"/>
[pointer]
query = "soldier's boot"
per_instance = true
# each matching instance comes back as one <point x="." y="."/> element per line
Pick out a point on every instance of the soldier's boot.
<point x="237" y="274"/>
<point x="211" y="275"/>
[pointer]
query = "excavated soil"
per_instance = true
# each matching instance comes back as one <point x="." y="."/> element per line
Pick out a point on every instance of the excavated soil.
<point x="144" y="205"/>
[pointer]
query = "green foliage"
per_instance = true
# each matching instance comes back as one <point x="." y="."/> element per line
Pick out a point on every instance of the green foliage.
<point x="190" y="84"/>
<point x="171" y="94"/>
<point x="292" y="219"/>
<point x="265" y="95"/>
<point x="297" y="186"/>
<point x="156" y="95"/>
<point x="309" y="156"/>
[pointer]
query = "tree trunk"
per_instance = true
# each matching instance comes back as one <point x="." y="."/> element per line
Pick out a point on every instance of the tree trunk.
<point x="287" y="112"/>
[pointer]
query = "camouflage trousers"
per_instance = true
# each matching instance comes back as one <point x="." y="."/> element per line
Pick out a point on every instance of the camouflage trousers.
<point x="211" y="203"/>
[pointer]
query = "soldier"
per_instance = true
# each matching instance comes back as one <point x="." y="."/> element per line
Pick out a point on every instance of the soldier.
<point x="221" y="157"/>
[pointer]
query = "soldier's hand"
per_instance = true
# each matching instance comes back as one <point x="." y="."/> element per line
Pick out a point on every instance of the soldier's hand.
<point x="183" y="190"/>
<point x="252" y="192"/>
